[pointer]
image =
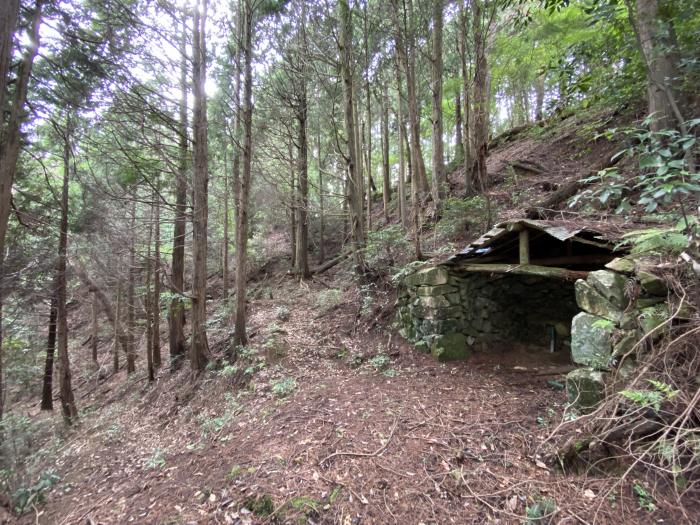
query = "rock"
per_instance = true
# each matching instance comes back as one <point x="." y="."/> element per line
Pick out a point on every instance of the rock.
<point x="610" y="285"/>
<point x="430" y="276"/>
<point x="436" y="290"/>
<point x="629" y="319"/>
<point x="646" y="302"/>
<point x="652" y="284"/>
<point x="591" y="340"/>
<point x="450" y="347"/>
<point x="433" y="302"/>
<point x="627" y="339"/>
<point x="652" y="317"/>
<point x="590" y="300"/>
<point x="585" y="388"/>
<point x="622" y="265"/>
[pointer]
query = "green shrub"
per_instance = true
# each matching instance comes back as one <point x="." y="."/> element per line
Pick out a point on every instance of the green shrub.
<point x="462" y="215"/>
<point x="385" y="246"/>
<point x="284" y="387"/>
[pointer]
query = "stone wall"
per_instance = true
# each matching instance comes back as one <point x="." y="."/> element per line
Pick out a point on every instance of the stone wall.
<point x="619" y="306"/>
<point x="448" y="313"/>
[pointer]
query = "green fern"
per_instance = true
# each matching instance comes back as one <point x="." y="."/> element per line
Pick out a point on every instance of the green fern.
<point x="656" y="240"/>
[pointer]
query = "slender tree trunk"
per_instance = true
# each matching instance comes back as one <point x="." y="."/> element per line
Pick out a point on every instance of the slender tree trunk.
<point x="117" y="327"/>
<point x="468" y="101"/>
<point x="400" y="123"/>
<point x="355" y="192"/>
<point x="321" y="191"/>
<point x="147" y="301"/>
<point x="199" y="349"/>
<point x="539" y="96"/>
<point x="93" y="335"/>
<point x="131" y="296"/>
<point x="293" y="203"/>
<point x="459" y="146"/>
<point x="176" y="310"/>
<point x="10" y="131"/>
<point x="481" y="95"/>
<point x="302" y="245"/>
<point x="47" y="387"/>
<point x="225" y="247"/>
<point x="386" y="176"/>
<point x="155" y="343"/>
<point x="69" y="410"/>
<point x="240" y="337"/>
<point x="368" y="124"/>
<point x="656" y="41"/>
<point x="437" y="70"/>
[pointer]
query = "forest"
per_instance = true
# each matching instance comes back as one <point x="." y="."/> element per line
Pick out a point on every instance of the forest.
<point x="349" y="261"/>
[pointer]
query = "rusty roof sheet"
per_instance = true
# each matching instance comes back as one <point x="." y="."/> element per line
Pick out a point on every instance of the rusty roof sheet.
<point x="605" y="233"/>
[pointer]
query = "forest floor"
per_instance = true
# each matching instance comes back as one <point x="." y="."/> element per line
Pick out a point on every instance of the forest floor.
<point x="341" y="424"/>
<point x="329" y="417"/>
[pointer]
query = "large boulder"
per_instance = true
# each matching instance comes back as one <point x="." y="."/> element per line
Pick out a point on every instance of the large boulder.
<point x="610" y="285"/>
<point x="450" y="347"/>
<point x="590" y="300"/>
<point x="585" y="388"/>
<point x="434" y="276"/>
<point x="652" y="283"/>
<point x="591" y="340"/>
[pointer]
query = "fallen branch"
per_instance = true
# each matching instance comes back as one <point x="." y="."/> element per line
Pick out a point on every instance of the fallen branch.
<point x="329" y="264"/>
<point x="376" y="453"/>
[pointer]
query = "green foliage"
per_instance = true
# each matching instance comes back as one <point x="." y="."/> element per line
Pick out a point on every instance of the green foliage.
<point x="665" y="176"/>
<point x="671" y="240"/>
<point x="462" y="215"/>
<point x="156" y="460"/>
<point x="384" y="245"/>
<point x="407" y="270"/>
<point x="25" y="497"/>
<point x="260" y="506"/>
<point x="541" y="511"/>
<point x="228" y="370"/>
<point x="380" y="362"/>
<point x="284" y="387"/>
<point x="328" y="299"/>
<point x="651" y="398"/>
<point x="645" y="499"/>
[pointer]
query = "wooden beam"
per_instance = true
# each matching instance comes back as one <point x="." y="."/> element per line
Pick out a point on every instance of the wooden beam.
<point x="525" y="269"/>
<point x="524" y="246"/>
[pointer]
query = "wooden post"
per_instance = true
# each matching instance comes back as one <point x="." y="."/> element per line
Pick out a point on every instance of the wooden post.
<point x="524" y="246"/>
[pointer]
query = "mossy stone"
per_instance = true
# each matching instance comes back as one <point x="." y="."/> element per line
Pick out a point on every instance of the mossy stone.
<point x="610" y="285"/>
<point x="622" y="265"/>
<point x="590" y="300"/>
<point x="652" y="284"/>
<point x="591" y="340"/>
<point x="435" y="290"/>
<point x="585" y="388"/>
<point x="430" y="276"/>
<point x="450" y="347"/>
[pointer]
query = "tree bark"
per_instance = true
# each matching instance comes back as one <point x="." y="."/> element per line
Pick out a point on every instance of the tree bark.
<point x="69" y="410"/>
<point x="118" y="335"/>
<point x="93" y="334"/>
<point x="302" y="110"/>
<point x="130" y="296"/>
<point x="225" y="244"/>
<point x="147" y="301"/>
<point x="386" y="175"/>
<point x="400" y="123"/>
<point x="176" y="310"/>
<point x="437" y="69"/>
<point x="199" y="349"/>
<point x="480" y="28"/>
<point x="321" y="191"/>
<point x="10" y="131"/>
<point x="240" y="337"/>
<point x="354" y="174"/>
<point x="155" y="344"/>
<point x="539" y="96"/>
<point x="47" y="387"/>
<point x="467" y="100"/>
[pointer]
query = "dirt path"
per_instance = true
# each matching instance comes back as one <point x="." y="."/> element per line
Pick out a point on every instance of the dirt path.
<point x="343" y="429"/>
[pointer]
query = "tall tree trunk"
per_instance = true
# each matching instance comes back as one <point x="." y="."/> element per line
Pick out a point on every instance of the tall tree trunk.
<point x="225" y="244"/>
<point x="10" y="131"/>
<point x="656" y="41"/>
<point x="459" y="146"/>
<point x="400" y="123"/>
<point x="117" y="327"/>
<point x="240" y="337"/>
<point x="70" y="412"/>
<point x="481" y="96"/>
<point x="293" y="204"/>
<point x="386" y="175"/>
<point x="437" y="69"/>
<point x="539" y="96"/>
<point x="147" y="301"/>
<point x="302" y="245"/>
<point x="199" y="349"/>
<point x="131" y="295"/>
<point x="355" y="193"/>
<point x="368" y="123"/>
<point x="468" y="100"/>
<point x="321" y="191"/>
<point x="47" y="387"/>
<point x="155" y="342"/>
<point x="93" y="332"/>
<point x="176" y="310"/>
